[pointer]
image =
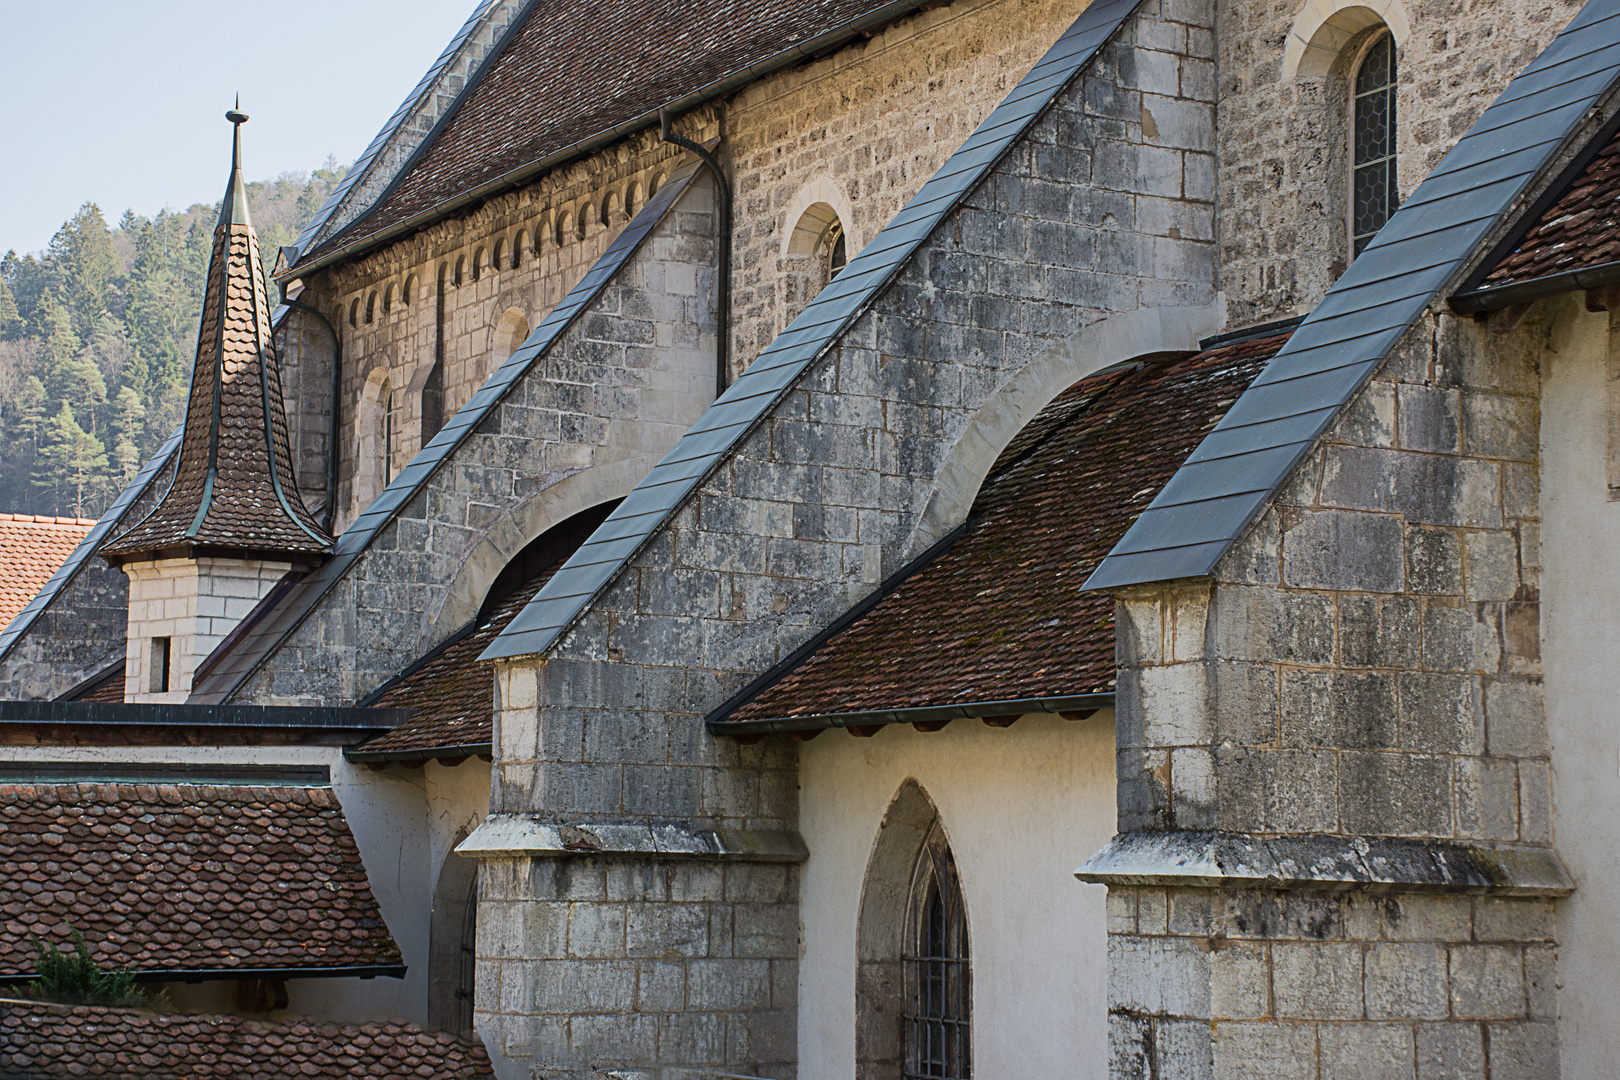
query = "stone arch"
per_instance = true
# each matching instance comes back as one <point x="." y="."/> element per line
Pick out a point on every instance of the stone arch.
<point x="655" y="183"/>
<point x="455" y="910"/>
<point x="632" y="198"/>
<point x="407" y="292"/>
<point x="371" y="306"/>
<point x="518" y="247"/>
<point x="461" y="269"/>
<point x="826" y="193"/>
<point x="910" y="826"/>
<point x="388" y="298"/>
<point x="497" y="260"/>
<point x="565" y="226"/>
<point x="586" y="218"/>
<point x="1106" y="342"/>
<point x="354" y="312"/>
<point x="510" y="331"/>
<point x="523" y="524"/>
<point x="1323" y="28"/>
<point x="371" y="423"/>
<point x="478" y="263"/>
<point x="610" y="207"/>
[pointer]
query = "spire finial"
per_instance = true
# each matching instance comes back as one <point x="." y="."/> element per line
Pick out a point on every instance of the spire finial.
<point x="234" y="209"/>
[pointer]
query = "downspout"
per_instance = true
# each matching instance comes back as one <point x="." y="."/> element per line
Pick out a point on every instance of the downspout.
<point x="329" y="512"/>
<point x="722" y="339"/>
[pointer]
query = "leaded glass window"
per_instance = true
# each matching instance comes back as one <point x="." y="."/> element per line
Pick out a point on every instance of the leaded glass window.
<point x="939" y="984"/>
<point x="1374" y="194"/>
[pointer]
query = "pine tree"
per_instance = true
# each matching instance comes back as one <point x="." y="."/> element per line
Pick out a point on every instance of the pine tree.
<point x="71" y="461"/>
<point x="85" y="267"/>
<point x="129" y="420"/>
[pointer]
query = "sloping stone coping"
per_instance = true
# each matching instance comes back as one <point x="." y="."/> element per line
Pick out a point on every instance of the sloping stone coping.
<point x="1378" y="864"/>
<point x="516" y="836"/>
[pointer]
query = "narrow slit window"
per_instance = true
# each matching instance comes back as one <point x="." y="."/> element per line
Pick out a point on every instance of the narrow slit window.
<point x="158" y="677"/>
<point x="388" y="438"/>
<point x="1374" y="194"/>
<point x="939" y="983"/>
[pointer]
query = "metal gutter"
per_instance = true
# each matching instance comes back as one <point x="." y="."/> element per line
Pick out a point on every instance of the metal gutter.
<point x="1497" y="297"/>
<point x="362" y="971"/>
<point x="719" y="88"/>
<point x="930" y="714"/>
<point x="432" y="753"/>
<point x="123" y="714"/>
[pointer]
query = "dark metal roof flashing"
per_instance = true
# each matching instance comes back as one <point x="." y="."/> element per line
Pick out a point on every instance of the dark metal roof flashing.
<point x="1428" y="243"/>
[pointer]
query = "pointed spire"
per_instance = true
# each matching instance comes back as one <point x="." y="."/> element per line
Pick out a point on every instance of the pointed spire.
<point x="233" y="209"/>
<point x="233" y="489"/>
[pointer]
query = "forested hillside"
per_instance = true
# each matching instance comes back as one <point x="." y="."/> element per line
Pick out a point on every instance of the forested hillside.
<point x="97" y="338"/>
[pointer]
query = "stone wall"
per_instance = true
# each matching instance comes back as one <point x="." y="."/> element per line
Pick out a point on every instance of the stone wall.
<point x="1283" y="172"/>
<point x="1299" y="985"/>
<point x="815" y="507"/>
<point x="1366" y="665"/>
<point x="632" y="373"/>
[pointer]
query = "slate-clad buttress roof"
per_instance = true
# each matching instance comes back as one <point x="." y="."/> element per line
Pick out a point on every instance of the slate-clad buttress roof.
<point x="188" y="878"/>
<point x="90" y="1042"/>
<point x="233" y="488"/>
<point x="562" y="78"/>
<point x="999" y="616"/>
<point x="32" y="549"/>
<point x="1423" y="250"/>
<point x="816" y="330"/>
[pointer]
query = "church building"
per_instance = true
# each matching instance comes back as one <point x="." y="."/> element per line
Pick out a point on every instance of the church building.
<point x="925" y="539"/>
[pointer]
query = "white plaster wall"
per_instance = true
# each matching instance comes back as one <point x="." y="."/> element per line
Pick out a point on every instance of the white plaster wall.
<point x="1022" y="807"/>
<point x="1580" y="629"/>
<point x="388" y="812"/>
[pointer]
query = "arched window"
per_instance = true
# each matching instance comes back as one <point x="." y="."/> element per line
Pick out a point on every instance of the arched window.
<point x="518" y="247"/>
<point x="408" y="291"/>
<point x="814" y="251"/>
<point x="1374" y="194"/>
<point x="388" y="298"/>
<point x="461" y="268"/>
<point x="938" y="987"/>
<point x="499" y="257"/>
<point x="632" y="199"/>
<point x="478" y="264"/>
<point x="913" y="976"/>
<point x="565" y="225"/>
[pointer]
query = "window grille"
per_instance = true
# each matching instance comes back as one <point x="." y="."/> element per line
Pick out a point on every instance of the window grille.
<point x="1374" y="194"/>
<point x="939" y="984"/>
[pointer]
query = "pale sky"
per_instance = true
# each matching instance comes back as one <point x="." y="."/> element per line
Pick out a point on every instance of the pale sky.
<point x="123" y="103"/>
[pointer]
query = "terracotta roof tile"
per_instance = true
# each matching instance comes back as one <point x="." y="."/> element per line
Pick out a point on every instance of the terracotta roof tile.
<point x="1000" y="615"/>
<point x="186" y="876"/>
<point x="564" y="78"/>
<point x="31" y="548"/>
<point x="453" y="693"/>
<point x="235" y="399"/>
<point x="1581" y="230"/>
<point x="47" y="1042"/>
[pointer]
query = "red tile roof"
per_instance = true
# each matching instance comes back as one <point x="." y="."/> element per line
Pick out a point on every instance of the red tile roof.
<point x="31" y="548"/>
<point x="233" y="487"/>
<point x="47" y="1042"/>
<point x="999" y="615"/>
<point x="1581" y="230"/>
<point x="453" y="694"/>
<point x="186" y="877"/>
<point x="563" y="79"/>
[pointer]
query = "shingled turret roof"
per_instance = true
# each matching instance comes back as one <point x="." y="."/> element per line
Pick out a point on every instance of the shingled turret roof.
<point x="234" y="486"/>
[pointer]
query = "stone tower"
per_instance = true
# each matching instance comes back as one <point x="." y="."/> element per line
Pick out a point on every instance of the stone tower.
<point x="232" y="523"/>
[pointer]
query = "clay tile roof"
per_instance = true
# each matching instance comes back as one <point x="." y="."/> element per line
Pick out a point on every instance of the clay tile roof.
<point x="31" y="548"/>
<point x="1581" y="229"/>
<point x="452" y="692"/>
<point x="47" y="1042"/>
<point x="193" y="877"/>
<point x="999" y="616"/>
<point x="233" y="487"/>
<point x="564" y="78"/>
